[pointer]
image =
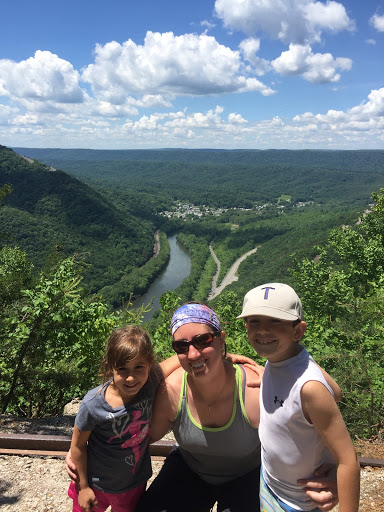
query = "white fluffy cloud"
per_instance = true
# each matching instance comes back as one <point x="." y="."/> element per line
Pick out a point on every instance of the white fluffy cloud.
<point x="249" y="48"/>
<point x="43" y="77"/>
<point x="25" y="120"/>
<point x="166" y="64"/>
<point x="182" y="128"/>
<point x="377" y="22"/>
<point x="366" y="116"/>
<point x="360" y="126"/>
<point x="314" y="67"/>
<point x="126" y="78"/>
<point x="6" y="114"/>
<point x="297" y="21"/>
<point x="207" y="24"/>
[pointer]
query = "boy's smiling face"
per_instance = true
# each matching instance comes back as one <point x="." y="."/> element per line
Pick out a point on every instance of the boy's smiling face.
<point x="273" y="338"/>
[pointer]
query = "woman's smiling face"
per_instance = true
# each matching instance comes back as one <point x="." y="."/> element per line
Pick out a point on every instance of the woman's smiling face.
<point x="199" y="362"/>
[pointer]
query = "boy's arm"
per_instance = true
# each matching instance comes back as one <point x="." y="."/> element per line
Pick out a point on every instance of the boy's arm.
<point x="87" y="499"/>
<point x="333" y="384"/>
<point x="321" y="410"/>
<point x="322" y="487"/>
<point x="252" y="399"/>
<point x="253" y="381"/>
<point x="169" y="365"/>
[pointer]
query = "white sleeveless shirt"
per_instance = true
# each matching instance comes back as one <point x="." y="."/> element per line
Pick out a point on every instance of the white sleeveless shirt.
<point x="291" y="446"/>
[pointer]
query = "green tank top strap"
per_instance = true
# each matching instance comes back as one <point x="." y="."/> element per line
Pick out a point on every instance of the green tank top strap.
<point x="239" y="394"/>
<point x="242" y="394"/>
<point x="183" y="392"/>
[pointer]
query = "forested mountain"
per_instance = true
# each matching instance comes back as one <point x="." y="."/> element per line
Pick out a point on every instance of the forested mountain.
<point x="50" y="214"/>
<point x="335" y="187"/>
<point x="226" y="178"/>
<point x="359" y="159"/>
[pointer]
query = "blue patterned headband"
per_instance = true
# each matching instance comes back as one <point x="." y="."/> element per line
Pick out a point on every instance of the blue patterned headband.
<point x="194" y="314"/>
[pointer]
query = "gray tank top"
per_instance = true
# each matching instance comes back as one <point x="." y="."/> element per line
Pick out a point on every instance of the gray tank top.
<point x="219" y="454"/>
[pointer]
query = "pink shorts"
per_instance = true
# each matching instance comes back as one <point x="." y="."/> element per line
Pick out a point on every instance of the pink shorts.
<point x="124" y="502"/>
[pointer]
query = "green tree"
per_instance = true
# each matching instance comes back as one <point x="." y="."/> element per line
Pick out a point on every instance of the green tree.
<point x="4" y="191"/>
<point x="52" y="338"/>
<point x="343" y="297"/>
<point x="228" y="308"/>
<point x="161" y="335"/>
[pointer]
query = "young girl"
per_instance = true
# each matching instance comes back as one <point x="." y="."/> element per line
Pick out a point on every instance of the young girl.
<point x="110" y="439"/>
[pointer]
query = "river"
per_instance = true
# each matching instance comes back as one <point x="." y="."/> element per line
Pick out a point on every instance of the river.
<point x="178" y="268"/>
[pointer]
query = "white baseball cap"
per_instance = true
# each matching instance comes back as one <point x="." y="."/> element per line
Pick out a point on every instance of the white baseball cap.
<point x="276" y="300"/>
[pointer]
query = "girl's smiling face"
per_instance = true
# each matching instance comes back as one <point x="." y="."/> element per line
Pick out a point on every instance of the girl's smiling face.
<point x="273" y="338"/>
<point x="130" y="377"/>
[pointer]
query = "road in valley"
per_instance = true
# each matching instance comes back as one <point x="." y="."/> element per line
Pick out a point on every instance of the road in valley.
<point x="231" y="274"/>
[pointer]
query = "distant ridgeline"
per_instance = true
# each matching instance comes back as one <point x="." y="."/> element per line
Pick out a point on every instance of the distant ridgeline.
<point x="282" y="202"/>
<point x="227" y="178"/>
<point x="50" y="215"/>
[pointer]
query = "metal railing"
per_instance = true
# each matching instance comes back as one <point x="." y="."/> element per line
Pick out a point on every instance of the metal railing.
<point x="36" y="444"/>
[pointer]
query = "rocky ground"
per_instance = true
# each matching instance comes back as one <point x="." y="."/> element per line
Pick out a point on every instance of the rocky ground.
<point x="39" y="484"/>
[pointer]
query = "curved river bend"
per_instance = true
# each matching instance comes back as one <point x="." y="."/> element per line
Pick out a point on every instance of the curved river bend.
<point x="178" y="268"/>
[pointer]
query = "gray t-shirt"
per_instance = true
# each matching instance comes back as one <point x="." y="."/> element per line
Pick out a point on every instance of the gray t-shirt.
<point x="118" y="447"/>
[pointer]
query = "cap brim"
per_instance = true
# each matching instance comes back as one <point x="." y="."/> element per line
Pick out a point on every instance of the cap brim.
<point x="268" y="311"/>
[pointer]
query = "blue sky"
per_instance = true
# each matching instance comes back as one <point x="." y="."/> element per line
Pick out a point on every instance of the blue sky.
<point x="225" y="74"/>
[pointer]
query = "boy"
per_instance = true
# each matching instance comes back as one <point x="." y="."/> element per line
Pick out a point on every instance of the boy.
<point x="300" y="423"/>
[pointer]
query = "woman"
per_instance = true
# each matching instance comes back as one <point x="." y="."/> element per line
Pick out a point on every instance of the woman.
<point x="214" y="416"/>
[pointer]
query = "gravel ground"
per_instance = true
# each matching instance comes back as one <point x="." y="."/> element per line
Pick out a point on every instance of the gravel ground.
<point x="39" y="484"/>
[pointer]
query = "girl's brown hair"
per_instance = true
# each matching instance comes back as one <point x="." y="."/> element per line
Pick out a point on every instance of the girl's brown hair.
<point x="123" y="345"/>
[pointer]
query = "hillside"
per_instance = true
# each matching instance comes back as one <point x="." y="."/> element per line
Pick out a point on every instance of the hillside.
<point x="359" y="159"/>
<point x="50" y="212"/>
<point x="334" y="186"/>
<point x="227" y="178"/>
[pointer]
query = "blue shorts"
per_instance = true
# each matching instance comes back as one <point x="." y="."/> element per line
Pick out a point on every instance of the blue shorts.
<point x="269" y="502"/>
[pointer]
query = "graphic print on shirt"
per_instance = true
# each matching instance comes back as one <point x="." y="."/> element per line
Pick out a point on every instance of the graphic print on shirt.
<point x="277" y="401"/>
<point x="138" y="434"/>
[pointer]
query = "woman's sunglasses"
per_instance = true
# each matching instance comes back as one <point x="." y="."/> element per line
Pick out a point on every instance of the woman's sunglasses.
<point x="199" y="341"/>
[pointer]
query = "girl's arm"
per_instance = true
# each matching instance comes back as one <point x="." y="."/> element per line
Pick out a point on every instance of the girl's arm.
<point x="321" y="410"/>
<point x="71" y="468"/>
<point x="87" y="499"/>
<point x="169" y="365"/>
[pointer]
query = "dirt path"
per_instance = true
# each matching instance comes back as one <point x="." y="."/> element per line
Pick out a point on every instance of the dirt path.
<point x="215" y="277"/>
<point x="156" y="247"/>
<point x="231" y="274"/>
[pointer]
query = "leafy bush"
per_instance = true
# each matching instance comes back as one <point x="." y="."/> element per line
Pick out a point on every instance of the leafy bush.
<point x="343" y="298"/>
